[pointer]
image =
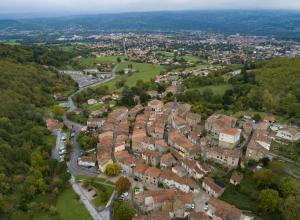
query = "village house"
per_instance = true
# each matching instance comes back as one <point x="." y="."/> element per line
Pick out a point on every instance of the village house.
<point x="166" y="199"/>
<point x="185" y="148"/>
<point x="212" y="187"/>
<point x="87" y="161"/>
<point x="139" y="171"/>
<point x="199" y="216"/>
<point x="137" y="139"/>
<point x="127" y="164"/>
<point x="156" y="106"/>
<point x="223" y="210"/>
<point x="151" y="157"/>
<point x="226" y="157"/>
<point x="193" y="168"/>
<point x="193" y="119"/>
<point x="152" y="175"/>
<point x="94" y="123"/>
<point x="216" y="122"/>
<point x="171" y="180"/>
<point x="120" y="144"/>
<point x="179" y="171"/>
<point x="259" y="144"/>
<point x="148" y="143"/>
<point x="92" y="102"/>
<point x="53" y="125"/>
<point x="161" y="145"/>
<point x="167" y="160"/>
<point x="229" y="137"/>
<point x="289" y="134"/>
<point x="236" y="178"/>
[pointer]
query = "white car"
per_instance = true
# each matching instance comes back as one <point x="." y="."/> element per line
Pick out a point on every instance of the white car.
<point x="62" y="151"/>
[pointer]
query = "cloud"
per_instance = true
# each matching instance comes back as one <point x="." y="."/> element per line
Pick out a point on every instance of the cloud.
<point x="27" y="6"/>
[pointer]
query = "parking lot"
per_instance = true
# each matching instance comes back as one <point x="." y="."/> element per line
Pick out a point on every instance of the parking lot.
<point x="85" y="80"/>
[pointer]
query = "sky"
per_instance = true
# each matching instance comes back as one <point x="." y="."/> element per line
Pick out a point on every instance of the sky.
<point x="98" y="6"/>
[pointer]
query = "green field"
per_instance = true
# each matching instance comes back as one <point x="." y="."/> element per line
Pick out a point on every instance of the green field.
<point x="68" y="207"/>
<point x="166" y="53"/>
<point x="93" y="61"/>
<point x="191" y="58"/>
<point x="145" y="72"/>
<point x="94" y="107"/>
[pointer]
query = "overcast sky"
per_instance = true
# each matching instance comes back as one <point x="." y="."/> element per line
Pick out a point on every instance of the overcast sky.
<point x="94" y="6"/>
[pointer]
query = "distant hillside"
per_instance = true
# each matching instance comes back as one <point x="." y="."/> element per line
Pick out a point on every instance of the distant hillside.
<point x="280" y="24"/>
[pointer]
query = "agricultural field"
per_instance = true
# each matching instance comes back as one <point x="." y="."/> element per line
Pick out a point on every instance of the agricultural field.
<point x="144" y="71"/>
<point x="93" y="61"/>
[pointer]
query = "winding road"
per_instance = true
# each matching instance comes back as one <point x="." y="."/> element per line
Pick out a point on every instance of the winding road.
<point x="75" y="169"/>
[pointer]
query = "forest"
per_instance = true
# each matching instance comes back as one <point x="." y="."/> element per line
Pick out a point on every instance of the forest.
<point x="271" y="86"/>
<point x="27" y="171"/>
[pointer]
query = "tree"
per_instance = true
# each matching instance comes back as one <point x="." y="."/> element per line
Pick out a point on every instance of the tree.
<point x="123" y="185"/>
<point x="291" y="208"/>
<point x="264" y="178"/>
<point x="119" y="60"/>
<point x="123" y="211"/>
<point x="57" y="111"/>
<point x="269" y="200"/>
<point x="288" y="186"/>
<point x="87" y="141"/>
<point x="112" y="169"/>
<point x="257" y="117"/>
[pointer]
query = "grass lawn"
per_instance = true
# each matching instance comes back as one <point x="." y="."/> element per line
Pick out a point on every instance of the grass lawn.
<point x="145" y="72"/>
<point x="93" y="61"/>
<point x="244" y="196"/>
<point x="68" y="208"/>
<point x="94" y="107"/>
<point x="166" y="53"/>
<point x="191" y="58"/>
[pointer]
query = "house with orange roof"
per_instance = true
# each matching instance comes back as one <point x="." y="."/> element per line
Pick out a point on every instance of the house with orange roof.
<point x="213" y="187"/>
<point x="152" y="175"/>
<point x="167" y="160"/>
<point x="218" y="209"/>
<point x="137" y="138"/>
<point x="227" y="157"/>
<point x="156" y="106"/>
<point x="151" y="157"/>
<point x="193" y="118"/>
<point x="216" y="122"/>
<point x="139" y="171"/>
<point x="229" y="137"/>
<point x="194" y="168"/>
<point x="185" y="147"/>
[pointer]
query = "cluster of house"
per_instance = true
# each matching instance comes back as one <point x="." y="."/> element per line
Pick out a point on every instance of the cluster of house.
<point x="173" y="204"/>
<point x="160" y="145"/>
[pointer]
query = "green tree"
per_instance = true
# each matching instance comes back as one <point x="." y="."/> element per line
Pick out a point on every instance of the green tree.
<point x="123" y="185"/>
<point x="123" y="211"/>
<point x="291" y="208"/>
<point x="57" y="111"/>
<point x="289" y="186"/>
<point x="269" y="200"/>
<point x="264" y="178"/>
<point x="112" y="169"/>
